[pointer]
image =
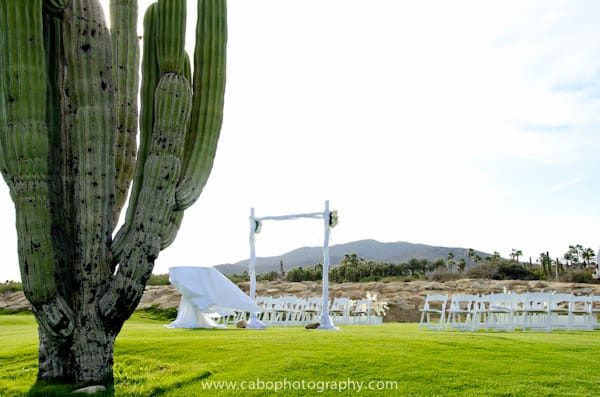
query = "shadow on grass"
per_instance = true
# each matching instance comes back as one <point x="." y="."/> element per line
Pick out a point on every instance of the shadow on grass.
<point x="52" y="389"/>
<point x="161" y="390"/>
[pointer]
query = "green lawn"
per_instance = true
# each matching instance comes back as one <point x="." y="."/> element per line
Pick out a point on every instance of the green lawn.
<point x="398" y="358"/>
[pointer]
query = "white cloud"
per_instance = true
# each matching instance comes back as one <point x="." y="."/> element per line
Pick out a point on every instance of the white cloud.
<point x="564" y="185"/>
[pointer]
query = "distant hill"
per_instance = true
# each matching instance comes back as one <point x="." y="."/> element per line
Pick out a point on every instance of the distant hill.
<point x="397" y="252"/>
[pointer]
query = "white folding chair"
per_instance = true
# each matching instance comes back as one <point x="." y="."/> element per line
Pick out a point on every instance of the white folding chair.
<point x="596" y="310"/>
<point x="278" y="311"/>
<point x="295" y="307"/>
<point x="433" y="313"/>
<point x="581" y="313"/>
<point x="312" y="309"/>
<point x="462" y="314"/>
<point x="362" y="312"/>
<point x="496" y="312"/>
<point x="532" y="311"/>
<point x="560" y="311"/>
<point x="265" y="303"/>
<point x="340" y="310"/>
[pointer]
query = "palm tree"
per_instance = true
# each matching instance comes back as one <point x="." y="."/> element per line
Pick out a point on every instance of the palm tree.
<point x="568" y="257"/>
<point x="470" y="253"/>
<point x="515" y="254"/>
<point x="461" y="265"/>
<point x="450" y="261"/>
<point x="588" y="255"/>
<point x="574" y="254"/>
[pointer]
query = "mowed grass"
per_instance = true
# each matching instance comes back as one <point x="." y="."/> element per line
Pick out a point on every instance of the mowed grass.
<point x="387" y="360"/>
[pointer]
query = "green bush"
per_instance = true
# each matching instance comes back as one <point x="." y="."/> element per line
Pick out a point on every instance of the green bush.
<point x="514" y="271"/>
<point x="501" y="271"/>
<point x="485" y="270"/>
<point x="578" y="276"/>
<point x="237" y="278"/>
<point x="11" y="286"/>
<point x="4" y="311"/>
<point x="271" y="276"/>
<point x="156" y="313"/>
<point x="442" y="275"/>
<point x="370" y="279"/>
<point x="158" y="279"/>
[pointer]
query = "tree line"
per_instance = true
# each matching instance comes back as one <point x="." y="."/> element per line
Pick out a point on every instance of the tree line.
<point x="354" y="268"/>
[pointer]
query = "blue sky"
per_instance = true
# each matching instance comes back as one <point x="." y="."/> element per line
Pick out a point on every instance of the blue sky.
<point x="467" y="123"/>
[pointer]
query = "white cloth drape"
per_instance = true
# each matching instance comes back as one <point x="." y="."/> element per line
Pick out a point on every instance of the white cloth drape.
<point x="206" y="293"/>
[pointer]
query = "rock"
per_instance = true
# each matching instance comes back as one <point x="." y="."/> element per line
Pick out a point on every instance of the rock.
<point x="298" y="287"/>
<point x="90" y="390"/>
<point x="537" y="285"/>
<point x="14" y="301"/>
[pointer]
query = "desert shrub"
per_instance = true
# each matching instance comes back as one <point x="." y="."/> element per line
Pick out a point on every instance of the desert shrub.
<point x="514" y="271"/>
<point x="501" y="271"/>
<point x="485" y="270"/>
<point x="238" y="278"/>
<point x="156" y="313"/>
<point x="441" y="275"/>
<point x="158" y="279"/>
<point x="11" y="286"/>
<point x="12" y="310"/>
<point x="271" y="276"/>
<point x="539" y="273"/>
<point x="370" y="279"/>
<point x="578" y="276"/>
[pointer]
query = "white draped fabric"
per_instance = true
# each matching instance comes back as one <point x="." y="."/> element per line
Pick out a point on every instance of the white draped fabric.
<point x="206" y="294"/>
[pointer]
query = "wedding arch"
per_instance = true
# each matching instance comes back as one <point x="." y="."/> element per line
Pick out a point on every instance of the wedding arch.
<point x="329" y="221"/>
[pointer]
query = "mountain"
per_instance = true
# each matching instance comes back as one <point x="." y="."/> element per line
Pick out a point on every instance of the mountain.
<point x="397" y="252"/>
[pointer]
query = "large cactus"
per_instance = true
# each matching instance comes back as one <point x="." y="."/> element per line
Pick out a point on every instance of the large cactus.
<point x="68" y="127"/>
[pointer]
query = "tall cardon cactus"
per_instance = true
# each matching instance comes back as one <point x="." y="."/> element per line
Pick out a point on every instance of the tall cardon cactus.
<point x="68" y="152"/>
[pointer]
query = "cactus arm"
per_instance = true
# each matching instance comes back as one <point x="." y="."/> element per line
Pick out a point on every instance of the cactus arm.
<point x="187" y="67"/>
<point x="3" y="121"/>
<point x="54" y="7"/>
<point x="150" y="78"/>
<point x="126" y="55"/>
<point x="90" y="116"/>
<point x="26" y="142"/>
<point x="170" y="42"/>
<point x="60" y="159"/>
<point x="26" y="148"/>
<point x="170" y="233"/>
<point x="161" y="47"/>
<point x="156" y="201"/>
<point x="168" y="236"/>
<point x="207" y="107"/>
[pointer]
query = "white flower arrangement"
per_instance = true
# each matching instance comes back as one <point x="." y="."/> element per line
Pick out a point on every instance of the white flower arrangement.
<point x="333" y="218"/>
<point x="379" y="308"/>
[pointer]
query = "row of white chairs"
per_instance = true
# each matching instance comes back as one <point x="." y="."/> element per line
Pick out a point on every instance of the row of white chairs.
<point x="543" y="311"/>
<point x="291" y="310"/>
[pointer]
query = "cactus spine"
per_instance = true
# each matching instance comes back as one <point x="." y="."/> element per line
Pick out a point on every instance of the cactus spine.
<point x="68" y="125"/>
